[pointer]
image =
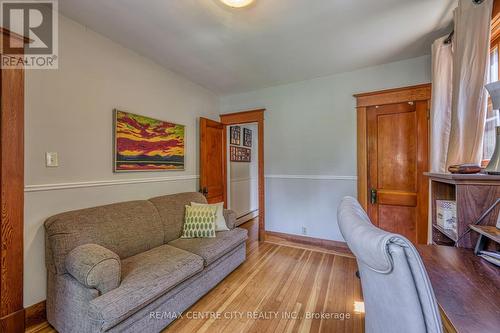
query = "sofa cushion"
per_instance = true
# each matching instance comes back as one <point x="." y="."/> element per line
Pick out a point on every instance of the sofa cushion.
<point x="145" y="277"/>
<point x="171" y="209"/>
<point x="230" y="218"/>
<point x="126" y="228"/>
<point x="199" y="222"/>
<point x="220" y="220"/>
<point x="211" y="249"/>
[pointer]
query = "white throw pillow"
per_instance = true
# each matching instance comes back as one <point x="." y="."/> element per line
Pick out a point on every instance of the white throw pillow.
<point x="220" y="221"/>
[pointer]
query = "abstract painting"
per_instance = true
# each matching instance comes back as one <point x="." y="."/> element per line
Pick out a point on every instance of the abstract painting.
<point x="146" y="144"/>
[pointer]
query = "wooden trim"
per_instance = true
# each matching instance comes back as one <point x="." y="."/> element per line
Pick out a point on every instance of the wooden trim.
<point x="362" y="154"/>
<point x="242" y="117"/>
<point x="423" y="165"/>
<point x="7" y="32"/>
<point x="419" y="92"/>
<point x="11" y="200"/>
<point x="495" y="31"/>
<point x="299" y="240"/>
<point x="13" y="322"/>
<point x="35" y="314"/>
<point x="251" y="116"/>
<point x="496" y="9"/>
<point x="224" y="164"/>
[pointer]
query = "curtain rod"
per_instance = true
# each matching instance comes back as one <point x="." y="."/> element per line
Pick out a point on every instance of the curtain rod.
<point x="449" y="39"/>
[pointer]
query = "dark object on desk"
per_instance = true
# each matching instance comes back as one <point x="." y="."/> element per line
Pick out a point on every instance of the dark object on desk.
<point x="491" y="257"/>
<point x="464" y="168"/>
<point x="487" y="233"/>
<point x="467" y="288"/>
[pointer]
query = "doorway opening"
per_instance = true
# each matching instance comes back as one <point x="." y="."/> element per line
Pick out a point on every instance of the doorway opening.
<point x="254" y="121"/>
<point x="242" y="148"/>
<point x="215" y="150"/>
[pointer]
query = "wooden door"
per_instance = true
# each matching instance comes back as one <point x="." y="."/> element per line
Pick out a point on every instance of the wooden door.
<point x="397" y="150"/>
<point x="212" y="160"/>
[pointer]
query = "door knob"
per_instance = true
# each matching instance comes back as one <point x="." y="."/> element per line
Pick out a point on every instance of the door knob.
<point x="204" y="191"/>
<point x="373" y="196"/>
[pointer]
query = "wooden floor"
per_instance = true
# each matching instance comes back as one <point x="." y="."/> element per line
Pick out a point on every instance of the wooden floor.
<point x="278" y="288"/>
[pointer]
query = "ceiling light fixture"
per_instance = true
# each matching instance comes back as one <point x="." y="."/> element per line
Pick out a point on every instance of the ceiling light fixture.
<point x="237" y="3"/>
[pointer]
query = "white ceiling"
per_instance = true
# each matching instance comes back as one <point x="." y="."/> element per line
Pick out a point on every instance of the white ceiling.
<point x="271" y="42"/>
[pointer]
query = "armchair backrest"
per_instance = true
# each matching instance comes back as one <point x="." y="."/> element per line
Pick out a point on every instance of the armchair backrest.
<point x="396" y="289"/>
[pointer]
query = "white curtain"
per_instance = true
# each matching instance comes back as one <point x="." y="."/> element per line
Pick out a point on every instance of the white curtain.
<point x="442" y="70"/>
<point x="470" y="73"/>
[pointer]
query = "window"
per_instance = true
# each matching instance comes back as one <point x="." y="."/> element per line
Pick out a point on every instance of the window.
<point x="492" y="116"/>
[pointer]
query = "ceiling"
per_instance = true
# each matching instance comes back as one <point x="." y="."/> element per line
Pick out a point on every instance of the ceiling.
<point x="271" y="42"/>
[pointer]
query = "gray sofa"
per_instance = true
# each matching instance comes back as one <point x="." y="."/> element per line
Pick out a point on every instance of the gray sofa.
<point x="123" y="267"/>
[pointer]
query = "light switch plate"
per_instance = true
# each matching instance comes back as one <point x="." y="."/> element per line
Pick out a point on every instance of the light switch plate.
<point x="51" y="159"/>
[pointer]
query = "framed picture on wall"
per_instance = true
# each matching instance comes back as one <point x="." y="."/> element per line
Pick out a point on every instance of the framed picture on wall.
<point x="146" y="144"/>
<point x="235" y="135"/>
<point x="247" y="137"/>
<point x="240" y="154"/>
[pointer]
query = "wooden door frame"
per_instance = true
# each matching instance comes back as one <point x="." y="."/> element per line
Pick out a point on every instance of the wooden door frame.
<point x="245" y="117"/>
<point x="415" y="93"/>
<point x="12" y="313"/>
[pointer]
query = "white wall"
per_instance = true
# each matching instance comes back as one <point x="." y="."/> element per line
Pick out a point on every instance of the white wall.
<point x="310" y="142"/>
<point x="69" y="111"/>
<point x="244" y="178"/>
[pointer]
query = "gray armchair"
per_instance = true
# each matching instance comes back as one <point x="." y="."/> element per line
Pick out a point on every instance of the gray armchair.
<point x="396" y="289"/>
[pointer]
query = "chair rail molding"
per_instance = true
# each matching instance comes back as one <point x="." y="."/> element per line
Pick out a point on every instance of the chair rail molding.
<point x="100" y="183"/>
<point x="312" y="177"/>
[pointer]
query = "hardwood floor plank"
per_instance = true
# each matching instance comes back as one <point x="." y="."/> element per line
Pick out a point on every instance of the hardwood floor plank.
<point x="275" y="300"/>
<point x="324" y="281"/>
<point x="263" y="287"/>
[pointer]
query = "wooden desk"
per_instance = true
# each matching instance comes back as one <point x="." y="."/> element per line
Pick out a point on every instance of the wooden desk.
<point x="467" y="288"/>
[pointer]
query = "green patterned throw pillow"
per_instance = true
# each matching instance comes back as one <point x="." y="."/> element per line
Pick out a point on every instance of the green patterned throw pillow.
<point x="199" y="222"/>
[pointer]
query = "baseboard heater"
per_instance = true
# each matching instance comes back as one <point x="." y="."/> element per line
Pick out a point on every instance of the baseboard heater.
<point x="247" y="216"/>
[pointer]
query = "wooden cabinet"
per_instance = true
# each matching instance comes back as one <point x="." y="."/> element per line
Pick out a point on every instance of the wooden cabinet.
<point x="11" y="193"/>
<point x="473" y="195"/>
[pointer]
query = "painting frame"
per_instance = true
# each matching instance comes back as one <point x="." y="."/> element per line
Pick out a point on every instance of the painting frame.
<point x="247" y="137"/>
<point x="180" y="160"/>
<point x="235" y="135"/>
<point x="240" y="154"/>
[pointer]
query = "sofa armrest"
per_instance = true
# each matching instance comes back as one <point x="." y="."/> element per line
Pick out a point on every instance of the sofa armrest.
<point x="95" y="267"/>
<point x="230" y="217"/>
